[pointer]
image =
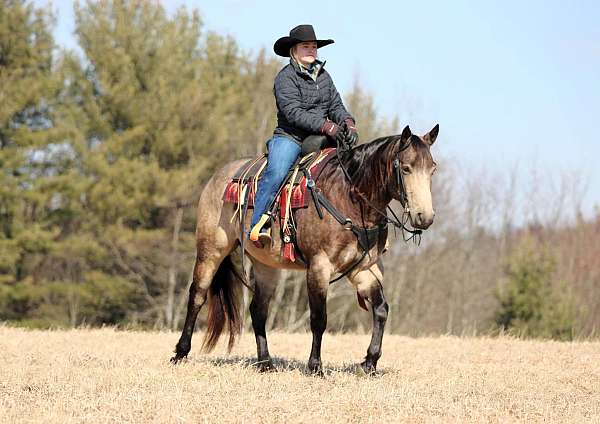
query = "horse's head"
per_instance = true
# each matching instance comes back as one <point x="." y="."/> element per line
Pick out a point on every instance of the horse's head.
<point x="414" y="167"/>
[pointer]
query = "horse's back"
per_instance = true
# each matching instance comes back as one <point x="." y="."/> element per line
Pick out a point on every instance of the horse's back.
<point x="213" y="215"/>
<point x="215" y="186"/>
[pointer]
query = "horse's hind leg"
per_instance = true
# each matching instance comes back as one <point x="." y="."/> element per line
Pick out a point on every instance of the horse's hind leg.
<point x="266" y="281"/>
<point x="317" y="281"/>
<point x="208" y="260"/>
<point x="368" y="285"/>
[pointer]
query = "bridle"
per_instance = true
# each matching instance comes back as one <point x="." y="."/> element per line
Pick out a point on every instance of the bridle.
<point x="415" y="234"/>
<point x="403" y="196"/>
<point x="400" y="183"/>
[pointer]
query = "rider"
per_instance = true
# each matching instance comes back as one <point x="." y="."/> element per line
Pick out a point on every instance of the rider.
<point x="307" y="104"/>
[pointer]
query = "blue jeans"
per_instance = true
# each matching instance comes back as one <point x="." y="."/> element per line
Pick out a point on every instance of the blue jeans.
<point x="282" y="153"/>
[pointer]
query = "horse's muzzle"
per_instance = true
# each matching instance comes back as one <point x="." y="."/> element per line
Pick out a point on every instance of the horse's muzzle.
<point x="422" y="220"/>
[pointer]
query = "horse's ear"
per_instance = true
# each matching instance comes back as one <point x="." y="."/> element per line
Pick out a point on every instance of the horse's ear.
<point x="405" y="138"/>
<point x="406" y="134"/>
<point x="430" y="137"/>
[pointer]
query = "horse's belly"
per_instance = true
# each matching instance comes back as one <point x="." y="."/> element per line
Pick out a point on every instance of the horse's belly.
<point x="272" y="257"/>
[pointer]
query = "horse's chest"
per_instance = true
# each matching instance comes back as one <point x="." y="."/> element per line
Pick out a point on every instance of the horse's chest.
<point x="354" y="256"/>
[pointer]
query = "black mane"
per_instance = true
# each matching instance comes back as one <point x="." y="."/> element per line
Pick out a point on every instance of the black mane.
<point x="359" y="162"/>
<point x="370" y="165"/>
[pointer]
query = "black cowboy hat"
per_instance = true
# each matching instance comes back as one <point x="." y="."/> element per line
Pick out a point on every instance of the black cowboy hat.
<point x="299" y="34"/>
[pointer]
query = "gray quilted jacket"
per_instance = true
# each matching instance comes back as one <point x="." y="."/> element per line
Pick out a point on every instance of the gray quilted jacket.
<point x="303" y="103"/>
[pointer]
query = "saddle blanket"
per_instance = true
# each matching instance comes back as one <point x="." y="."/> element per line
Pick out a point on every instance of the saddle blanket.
<point x="247" y="178"/>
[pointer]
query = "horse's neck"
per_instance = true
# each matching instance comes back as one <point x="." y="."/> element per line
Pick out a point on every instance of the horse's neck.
<point x="362" y="199"/>
<point x="372" y="181"/>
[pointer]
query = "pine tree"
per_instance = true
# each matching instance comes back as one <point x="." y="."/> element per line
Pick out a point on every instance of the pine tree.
<point x="166" y="105"/>
<point x="27" y="89"/>
<point x="42" y="282"/>
<point x="529" y="301"/>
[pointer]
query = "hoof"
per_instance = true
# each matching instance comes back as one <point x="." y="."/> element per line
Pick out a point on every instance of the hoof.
<point x="265" y="366"/>
<point x="177" y="359"/>
<point x="318" y="373"/>
<point x="365" y="369"/>
<point x="315" y="368"/>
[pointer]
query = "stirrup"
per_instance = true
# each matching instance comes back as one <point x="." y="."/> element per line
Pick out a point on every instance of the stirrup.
<point x="258" y="232"/>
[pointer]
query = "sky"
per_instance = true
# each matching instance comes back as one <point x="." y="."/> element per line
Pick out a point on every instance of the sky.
<point x="513" y="84"/>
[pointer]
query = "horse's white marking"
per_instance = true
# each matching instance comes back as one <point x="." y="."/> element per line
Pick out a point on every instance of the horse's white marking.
<point x="418" y="190"/>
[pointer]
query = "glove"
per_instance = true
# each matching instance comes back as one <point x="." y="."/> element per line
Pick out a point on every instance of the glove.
<point x="334" y="131"/>
<point x="350" y="132"/>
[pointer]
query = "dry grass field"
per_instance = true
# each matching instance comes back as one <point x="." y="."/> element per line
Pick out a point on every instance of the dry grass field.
<point x="107" y="375"/>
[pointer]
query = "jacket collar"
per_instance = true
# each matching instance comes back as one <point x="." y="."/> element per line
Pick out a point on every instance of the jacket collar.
<point x="300" y="71"/>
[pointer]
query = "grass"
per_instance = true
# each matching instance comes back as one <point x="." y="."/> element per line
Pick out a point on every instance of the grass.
<point x="106" y="375"/>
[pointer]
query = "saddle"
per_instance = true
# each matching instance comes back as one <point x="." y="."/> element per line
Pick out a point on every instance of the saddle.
<point x="241" y="191"/>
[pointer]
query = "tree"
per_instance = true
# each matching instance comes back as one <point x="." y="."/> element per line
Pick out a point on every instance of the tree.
<point x="163" y="106"/>
<point x="26" y="91"/>
<point x="529" y="303"/>
<point x="42" y="282"/>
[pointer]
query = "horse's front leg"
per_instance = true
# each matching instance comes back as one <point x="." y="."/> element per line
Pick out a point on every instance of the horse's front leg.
<point x="317" y="280"/>
<point x="368" y="285"/>
<point x="266" y="280"/>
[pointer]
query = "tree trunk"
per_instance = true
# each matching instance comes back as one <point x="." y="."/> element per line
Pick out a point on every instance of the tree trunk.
<point x="172" y="273"/>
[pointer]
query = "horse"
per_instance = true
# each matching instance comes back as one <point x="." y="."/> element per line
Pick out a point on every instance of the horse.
<point x="359" y="187"/>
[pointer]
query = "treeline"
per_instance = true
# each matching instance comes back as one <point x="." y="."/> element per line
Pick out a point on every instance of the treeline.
<point x="103" y="154"/>
<point x="482" y="269"/>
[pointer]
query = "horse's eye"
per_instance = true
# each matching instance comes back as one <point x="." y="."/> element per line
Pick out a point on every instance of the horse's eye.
<point x="433" y="169"/>
<point x="406" y="169"/>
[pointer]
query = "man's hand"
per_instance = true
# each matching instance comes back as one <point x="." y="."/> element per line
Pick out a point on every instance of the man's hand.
<point x="334" y="131"/>
<point x="350" y="132"/>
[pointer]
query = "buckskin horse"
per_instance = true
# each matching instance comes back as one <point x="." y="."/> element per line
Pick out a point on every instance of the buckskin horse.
<point x="358" y="189"/>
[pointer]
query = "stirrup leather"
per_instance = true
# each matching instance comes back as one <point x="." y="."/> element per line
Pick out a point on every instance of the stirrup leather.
<point x="257" y="231"/>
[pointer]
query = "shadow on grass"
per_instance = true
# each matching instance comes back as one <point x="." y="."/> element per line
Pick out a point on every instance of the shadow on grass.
<point x="284" y="365"/>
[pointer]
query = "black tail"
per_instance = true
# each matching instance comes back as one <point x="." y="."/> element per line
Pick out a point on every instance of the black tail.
<point x="223" y="306"/>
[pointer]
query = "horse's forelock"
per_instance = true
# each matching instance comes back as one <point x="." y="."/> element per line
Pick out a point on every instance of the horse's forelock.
<point x="417" y="153"/>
